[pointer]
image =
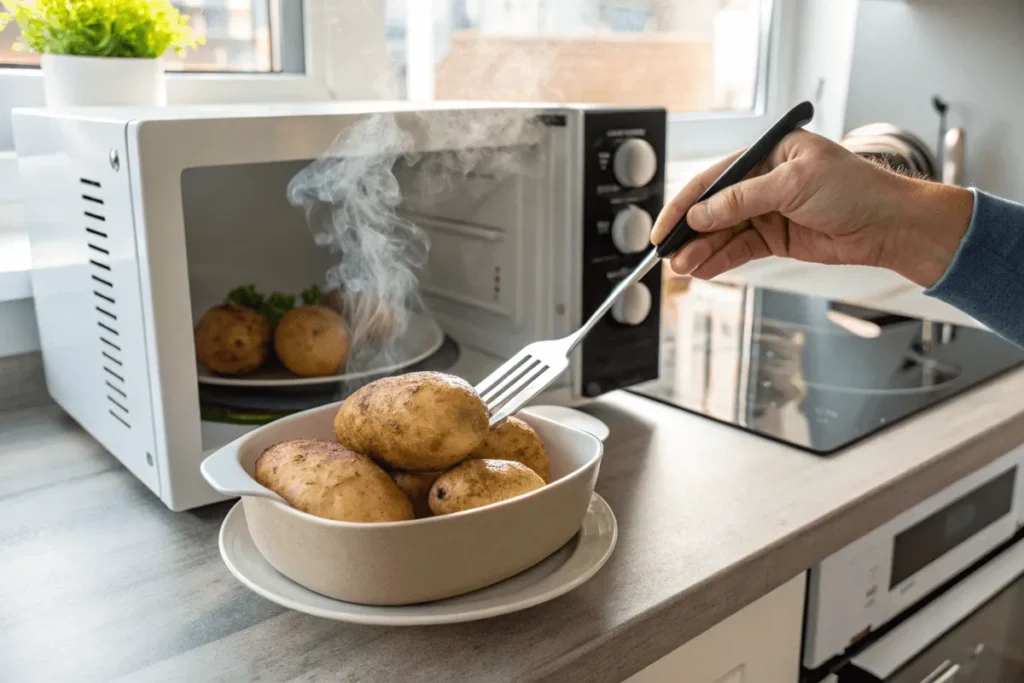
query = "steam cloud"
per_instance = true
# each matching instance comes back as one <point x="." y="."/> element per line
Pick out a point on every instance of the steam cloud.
<point x="352" y="198"/>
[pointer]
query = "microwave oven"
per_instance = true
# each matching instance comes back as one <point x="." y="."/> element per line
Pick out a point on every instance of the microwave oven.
<point x="142" y="218"/>
<point x="922" y="562"/>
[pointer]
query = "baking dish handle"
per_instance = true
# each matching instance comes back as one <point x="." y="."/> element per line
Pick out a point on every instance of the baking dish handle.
<point x="225" y="474"/>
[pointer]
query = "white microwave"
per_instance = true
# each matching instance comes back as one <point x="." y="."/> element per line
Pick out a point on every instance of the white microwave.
<point x="140" y="219"/>
<point x="867" y="586"/>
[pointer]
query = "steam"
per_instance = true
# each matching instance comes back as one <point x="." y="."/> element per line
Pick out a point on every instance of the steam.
<point x="352" y="199"/>
<point x="351" y="196"/>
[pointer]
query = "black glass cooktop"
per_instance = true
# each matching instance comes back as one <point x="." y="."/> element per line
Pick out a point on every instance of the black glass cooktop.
<point x="811" y="372"/>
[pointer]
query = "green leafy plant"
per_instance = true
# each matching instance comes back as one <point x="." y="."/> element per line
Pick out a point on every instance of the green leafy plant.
<point x="101" y="28"/>
<point x="276" y="305"/>
<point x="245" y="296"/>
<point x="312" y="296"/>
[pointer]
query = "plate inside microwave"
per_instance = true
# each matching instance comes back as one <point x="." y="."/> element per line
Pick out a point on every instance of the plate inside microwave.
<point x="423" y="339"/>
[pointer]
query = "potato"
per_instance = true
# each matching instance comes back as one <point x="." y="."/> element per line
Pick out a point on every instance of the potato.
<point x="475" y="483"/>
<point x="328" y="480"/>
<point x="372" y="321"/>
<point x="515" y="440"/>
<point x="419" y="422"/>
<point x="311" y="341"/>
<point x="377" y="322"/>
<point x="232" y="339"/>
<point x="416" y="486"/>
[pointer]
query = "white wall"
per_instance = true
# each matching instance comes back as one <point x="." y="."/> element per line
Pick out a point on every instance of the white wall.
<point x="821" y="74"/>
<point x="971" y="53"/>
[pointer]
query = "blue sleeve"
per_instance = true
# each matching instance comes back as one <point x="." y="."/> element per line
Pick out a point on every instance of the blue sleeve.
<point x="986" y="277"/>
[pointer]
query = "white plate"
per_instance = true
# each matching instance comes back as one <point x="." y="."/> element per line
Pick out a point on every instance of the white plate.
<point x="563" y="571"/>
<point x="423" y="338"/>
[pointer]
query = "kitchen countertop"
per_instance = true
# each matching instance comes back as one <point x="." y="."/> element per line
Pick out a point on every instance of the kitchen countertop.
<point x="98" y="581"/>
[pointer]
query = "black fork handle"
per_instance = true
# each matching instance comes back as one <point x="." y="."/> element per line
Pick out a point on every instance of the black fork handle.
<point x="797" y="117"/>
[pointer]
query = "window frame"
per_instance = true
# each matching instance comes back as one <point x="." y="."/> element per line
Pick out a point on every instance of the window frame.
<point x="700" y="135"/>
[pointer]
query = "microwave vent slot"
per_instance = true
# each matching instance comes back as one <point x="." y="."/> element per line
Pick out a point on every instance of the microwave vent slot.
<point x="104" y="299"/>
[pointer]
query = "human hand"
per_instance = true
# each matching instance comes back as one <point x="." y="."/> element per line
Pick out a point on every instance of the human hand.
<point x="814" y="200"/>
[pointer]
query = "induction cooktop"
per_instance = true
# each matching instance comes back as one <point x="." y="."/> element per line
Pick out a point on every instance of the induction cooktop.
<point x="808" y="371"/>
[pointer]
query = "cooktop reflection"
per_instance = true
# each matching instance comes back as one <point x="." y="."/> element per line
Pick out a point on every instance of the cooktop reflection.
<point x="808" y="371"/>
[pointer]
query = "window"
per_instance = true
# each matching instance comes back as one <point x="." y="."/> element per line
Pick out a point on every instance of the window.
<point x="255" y="51"/>
<point x="242" y="36"/>
<point x="706" y="61"/>
<point x="684" y="55"/>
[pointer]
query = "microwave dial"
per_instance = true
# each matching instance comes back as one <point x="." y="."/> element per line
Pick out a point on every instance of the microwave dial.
<point x="631" y="230"/>
<point x="635" y="163"/>
<point x="633" y="307"/>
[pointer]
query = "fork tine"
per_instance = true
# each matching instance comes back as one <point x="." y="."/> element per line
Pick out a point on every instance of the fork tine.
<point x="517" y="377"/>
<point x="523" y="397"/>
<point x="510" y="389"/>
<point x="496" y="378"/>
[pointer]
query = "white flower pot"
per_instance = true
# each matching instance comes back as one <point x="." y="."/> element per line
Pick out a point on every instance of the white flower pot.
<point x="103" y="81"/>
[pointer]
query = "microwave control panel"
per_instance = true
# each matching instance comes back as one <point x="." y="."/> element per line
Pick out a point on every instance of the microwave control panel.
<point x="623" y="191"/>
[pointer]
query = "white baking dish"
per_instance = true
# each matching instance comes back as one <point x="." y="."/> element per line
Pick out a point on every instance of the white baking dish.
<point x="399" y="563"/>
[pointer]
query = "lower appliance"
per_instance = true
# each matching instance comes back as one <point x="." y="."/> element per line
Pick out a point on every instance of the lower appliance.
<point x="810" y="372"/>
<point x="484" y="225"/>
<point x="935" y="595"/>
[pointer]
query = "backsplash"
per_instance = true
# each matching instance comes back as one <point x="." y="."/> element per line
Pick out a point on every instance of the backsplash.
<point x="969" y="53"/>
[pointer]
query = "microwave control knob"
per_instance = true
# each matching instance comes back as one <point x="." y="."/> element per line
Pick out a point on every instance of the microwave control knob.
<point x="635" y="163"/>
<point x="633" y="306"/>
<point x="631" y="230"/>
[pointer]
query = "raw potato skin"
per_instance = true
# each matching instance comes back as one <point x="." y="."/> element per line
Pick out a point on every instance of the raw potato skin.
<point x="515" y="440"/>
<point x="476" y="483"/>
<point x="328" y="480"/>
<point x="419" y="422"/>
<point x="232" y="339"/>
<point x="312" y="341"/>
<point x="416" y="486"/>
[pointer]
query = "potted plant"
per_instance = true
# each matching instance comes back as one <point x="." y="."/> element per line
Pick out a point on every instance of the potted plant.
<point x="101" y="52"/>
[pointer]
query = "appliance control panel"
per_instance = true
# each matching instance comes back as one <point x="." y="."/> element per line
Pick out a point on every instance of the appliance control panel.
<point x="623" y="191"/>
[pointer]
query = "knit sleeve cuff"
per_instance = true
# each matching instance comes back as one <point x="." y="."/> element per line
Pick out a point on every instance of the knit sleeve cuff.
<point x="986" y="276"/>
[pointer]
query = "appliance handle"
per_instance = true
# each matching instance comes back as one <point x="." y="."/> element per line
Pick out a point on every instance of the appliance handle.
<point x="223" y="471"/>
<point x="909" y="639"/>
<point x="953" y="157"/>
<point x="946" y="673"/>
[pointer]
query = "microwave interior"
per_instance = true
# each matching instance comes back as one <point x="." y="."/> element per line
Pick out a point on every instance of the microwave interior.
<point x="466" y="225"/>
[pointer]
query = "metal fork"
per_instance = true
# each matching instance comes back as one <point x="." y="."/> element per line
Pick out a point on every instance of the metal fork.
<point x="529" y="372"/>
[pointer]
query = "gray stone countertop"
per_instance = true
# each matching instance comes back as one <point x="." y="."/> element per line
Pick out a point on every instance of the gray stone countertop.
<point x="98" y="581"/>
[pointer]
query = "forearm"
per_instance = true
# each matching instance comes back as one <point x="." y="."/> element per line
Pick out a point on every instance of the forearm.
<point x="967" y="248"/>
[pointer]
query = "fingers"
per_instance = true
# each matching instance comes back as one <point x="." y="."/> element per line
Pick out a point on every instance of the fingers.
<point x="743" y="247"/>
<point x="695" y="253"/>
<point x="746" y="199"/>
<point x="676" y="208"/>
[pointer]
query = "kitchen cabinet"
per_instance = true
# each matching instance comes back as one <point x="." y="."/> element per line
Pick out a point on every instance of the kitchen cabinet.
<point x="758" y="644"/>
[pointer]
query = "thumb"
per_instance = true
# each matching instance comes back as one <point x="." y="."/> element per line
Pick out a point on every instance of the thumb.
<point x="746" y="199"/>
